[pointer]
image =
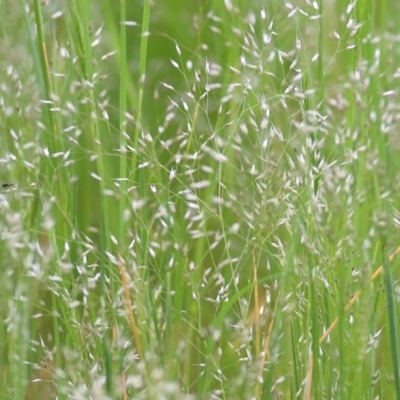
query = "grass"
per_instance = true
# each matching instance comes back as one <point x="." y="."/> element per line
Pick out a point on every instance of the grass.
<point x="205" y="200"/>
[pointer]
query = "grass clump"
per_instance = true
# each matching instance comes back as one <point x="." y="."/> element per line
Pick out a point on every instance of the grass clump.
<point x="199" y="193"/>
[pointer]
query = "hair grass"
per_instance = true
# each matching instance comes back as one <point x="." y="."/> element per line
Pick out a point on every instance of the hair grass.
<point x="202" y="195"/>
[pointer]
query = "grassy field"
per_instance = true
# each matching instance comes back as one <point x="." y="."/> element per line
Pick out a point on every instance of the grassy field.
<point x="200" y="200"/>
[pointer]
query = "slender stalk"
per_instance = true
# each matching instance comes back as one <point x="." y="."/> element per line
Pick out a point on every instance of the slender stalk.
<point x="122" y="122"/>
